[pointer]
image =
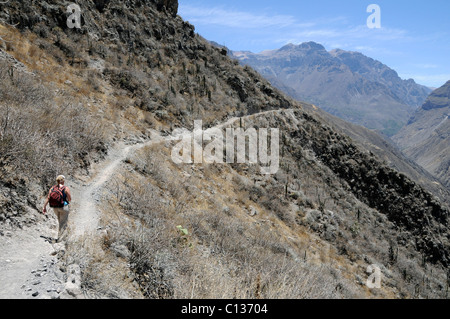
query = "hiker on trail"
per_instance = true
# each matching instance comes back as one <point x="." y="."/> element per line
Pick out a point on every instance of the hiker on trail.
<point x="59" y="199"/>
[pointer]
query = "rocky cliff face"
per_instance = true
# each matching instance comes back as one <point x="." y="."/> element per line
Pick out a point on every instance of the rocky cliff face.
<point x="378" y="186"/>
<point x="438" y="99"/>
<point x="425" y="138"/>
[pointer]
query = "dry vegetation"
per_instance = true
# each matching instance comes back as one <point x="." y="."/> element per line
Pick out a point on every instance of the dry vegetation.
<point x="305" y="232"/>
<point x="39" y="136"/>
<point x="314" y="240"/>
<point x="45" y="130"/>
<point x="223" y="246"/>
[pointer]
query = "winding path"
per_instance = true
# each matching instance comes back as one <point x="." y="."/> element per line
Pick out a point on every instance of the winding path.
<point x="24" y="254"/>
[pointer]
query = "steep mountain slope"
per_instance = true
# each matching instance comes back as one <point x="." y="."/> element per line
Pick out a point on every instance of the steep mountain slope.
<point x="408" y="91"/>
<point x="426" y="137"/>
<point x="136" y="72"/>
<point x="388" y="152"/>
<point x="347" y="84"/>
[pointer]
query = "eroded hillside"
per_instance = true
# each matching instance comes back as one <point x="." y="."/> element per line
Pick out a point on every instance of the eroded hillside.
<point x="136" y="72"/>
<point x="425" y="138"/>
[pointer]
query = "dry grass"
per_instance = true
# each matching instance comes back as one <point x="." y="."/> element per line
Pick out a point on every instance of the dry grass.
<point x="247" y="257"/>
<point x="34" y="128"/>
<point x="278" y="253"/>
<point x="271" y="255"/>
<point x="103" y="275"/>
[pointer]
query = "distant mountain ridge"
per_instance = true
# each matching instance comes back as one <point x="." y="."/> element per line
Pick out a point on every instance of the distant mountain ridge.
<point x="347" y="84"/>
<point x="426" y="137"/>
<point x="407" y="90"/>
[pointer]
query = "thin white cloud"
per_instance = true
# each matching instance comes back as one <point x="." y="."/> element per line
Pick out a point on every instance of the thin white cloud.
<point x="365" y="49"/>
<point x="362" y="32"/>
<point x="238" y="19"/>
<point x="427" y="66"/>
<point x="359" y="38"/>
<point x="293" y="30"/>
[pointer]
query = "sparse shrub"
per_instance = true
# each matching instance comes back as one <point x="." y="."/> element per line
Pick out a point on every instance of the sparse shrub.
<point x="34" y="128"/>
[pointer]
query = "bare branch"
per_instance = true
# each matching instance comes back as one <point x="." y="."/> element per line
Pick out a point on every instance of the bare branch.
<point x="11" y="25"/>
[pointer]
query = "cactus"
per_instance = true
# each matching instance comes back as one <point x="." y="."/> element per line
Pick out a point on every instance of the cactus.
<point x="286" y="189"/>
<point x="258" y="287"/>
<point x="393" y="254"/>
<point x="11" y="74"/>
<point x="321" y="202"/>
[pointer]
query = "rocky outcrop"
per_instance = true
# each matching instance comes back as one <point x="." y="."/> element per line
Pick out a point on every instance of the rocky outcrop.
<point x="438" y="99"/>
<point x="18" y="205"/>
<point x="170" y="5"/>
<point x="27" y="14"/>
<point x="386" y="150"/>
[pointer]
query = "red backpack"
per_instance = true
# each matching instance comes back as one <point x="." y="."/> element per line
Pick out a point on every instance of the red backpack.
<point x="57" y="196"/>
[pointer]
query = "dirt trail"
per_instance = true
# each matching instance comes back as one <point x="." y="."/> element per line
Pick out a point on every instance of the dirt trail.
<point x="23" y="256"/>
<point x="28" y="265"/>
<point x="85" y="214"/>
<point x="27" y="256"/>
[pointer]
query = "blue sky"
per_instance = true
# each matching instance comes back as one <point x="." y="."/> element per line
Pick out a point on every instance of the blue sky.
<point x="414" y="38"/>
